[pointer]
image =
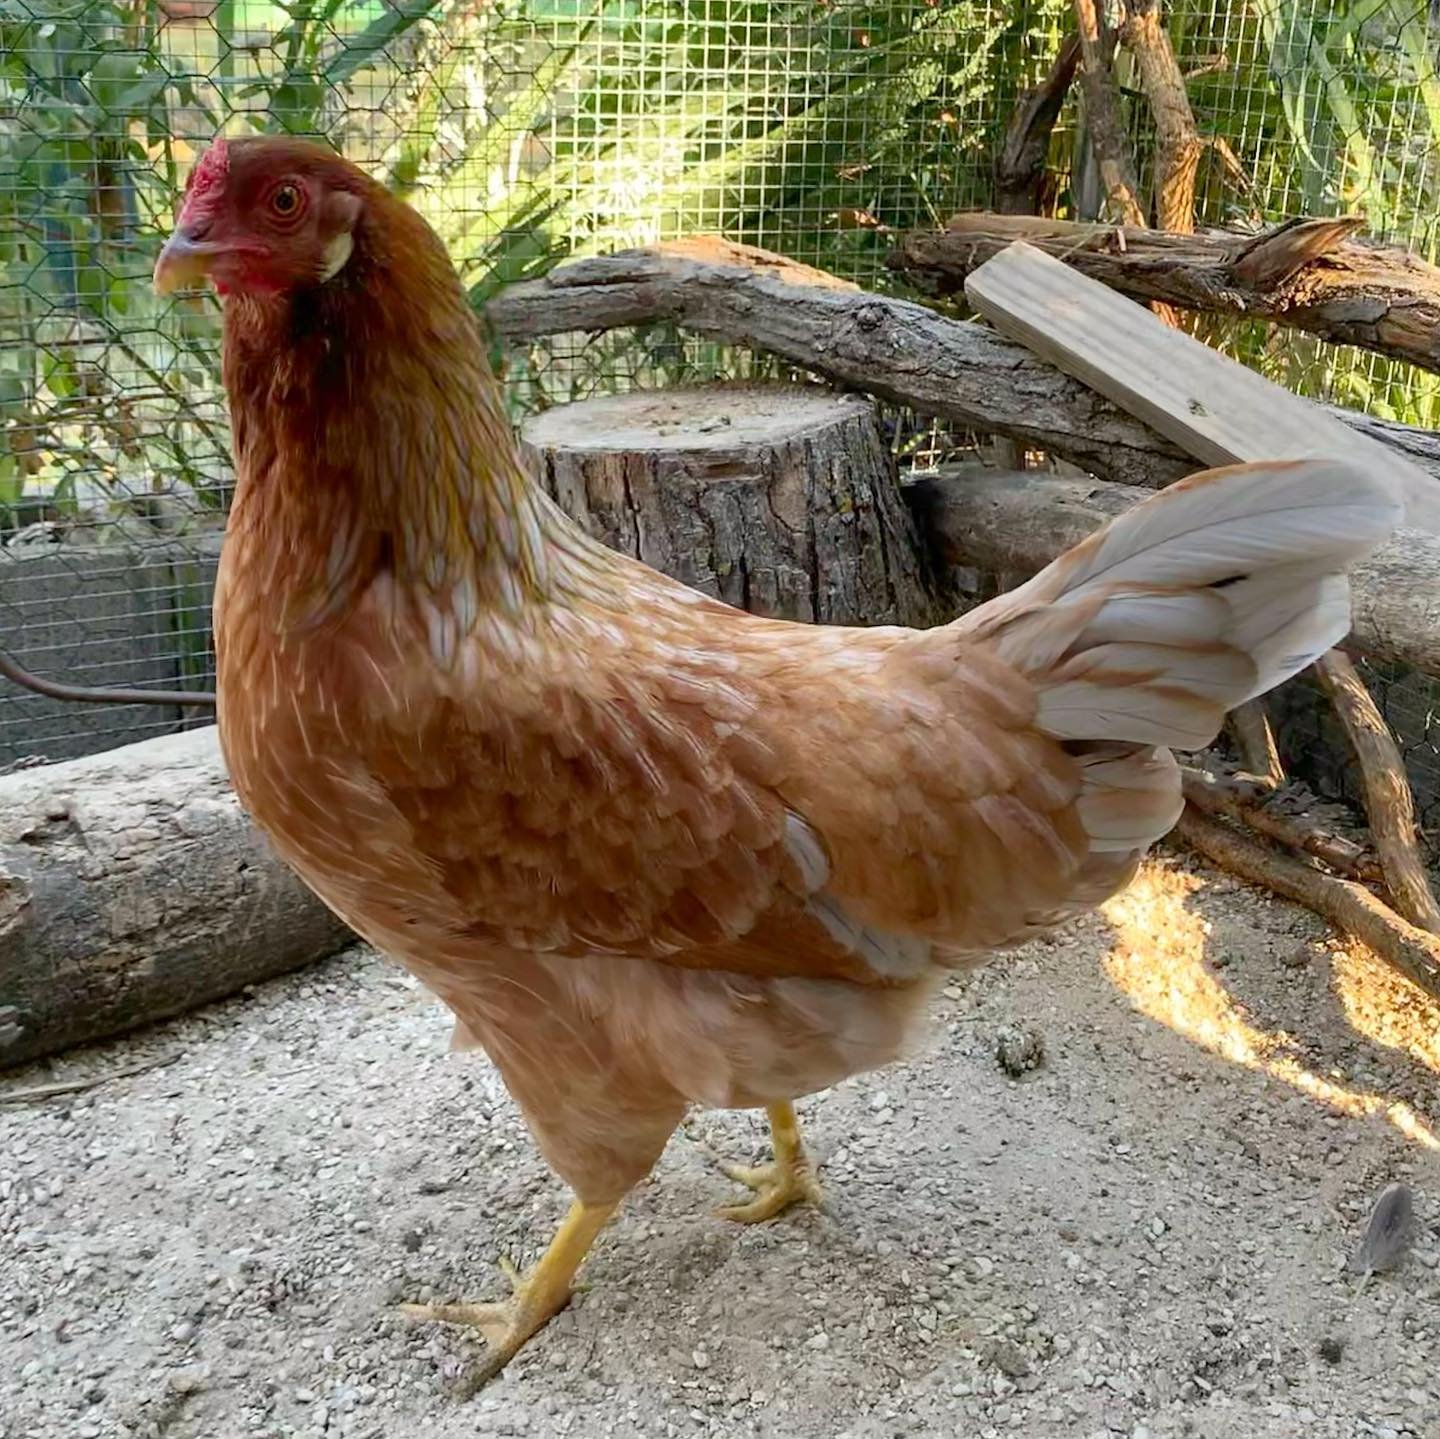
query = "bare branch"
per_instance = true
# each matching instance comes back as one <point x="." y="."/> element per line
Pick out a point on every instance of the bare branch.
<point x="1389" y="805"/>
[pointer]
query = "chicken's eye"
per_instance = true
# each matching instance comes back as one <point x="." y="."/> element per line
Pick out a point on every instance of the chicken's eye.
<point x="286" y="200"/>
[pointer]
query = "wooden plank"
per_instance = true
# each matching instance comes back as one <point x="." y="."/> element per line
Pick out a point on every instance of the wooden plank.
<point x="1216" y="409"/>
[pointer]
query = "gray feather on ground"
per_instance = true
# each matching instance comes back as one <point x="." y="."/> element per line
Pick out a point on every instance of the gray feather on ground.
<point x="1388" y="1234"/>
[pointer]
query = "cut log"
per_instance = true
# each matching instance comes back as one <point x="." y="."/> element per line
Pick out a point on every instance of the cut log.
<point x="961" y="372"/>
<point x="132" y="888"/>
<point x="1212" y="407"/>
<point x="1308" y="274"/>
<point x="778" y="499"/>
<point x="999" y="521"/>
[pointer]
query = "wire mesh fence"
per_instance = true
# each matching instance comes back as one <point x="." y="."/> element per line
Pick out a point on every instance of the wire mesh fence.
<point x="531" y="130"/>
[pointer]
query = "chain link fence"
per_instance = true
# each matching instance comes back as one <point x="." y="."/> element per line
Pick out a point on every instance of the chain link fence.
<point x="533" y="130"/>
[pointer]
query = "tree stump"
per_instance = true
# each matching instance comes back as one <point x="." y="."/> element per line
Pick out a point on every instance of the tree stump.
<point x="778" y="499"/>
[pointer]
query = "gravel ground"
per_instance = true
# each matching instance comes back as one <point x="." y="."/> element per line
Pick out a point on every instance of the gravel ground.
<point x="1144" y="1234"/>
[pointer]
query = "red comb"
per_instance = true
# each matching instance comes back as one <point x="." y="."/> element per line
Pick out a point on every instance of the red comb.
<point x="208" y="175"/>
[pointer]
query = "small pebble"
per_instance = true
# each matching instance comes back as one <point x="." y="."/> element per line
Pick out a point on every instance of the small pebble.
<point x="1019" y="1048"/>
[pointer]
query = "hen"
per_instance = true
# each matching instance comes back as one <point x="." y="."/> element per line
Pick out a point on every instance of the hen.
<point x="650" y="850"/>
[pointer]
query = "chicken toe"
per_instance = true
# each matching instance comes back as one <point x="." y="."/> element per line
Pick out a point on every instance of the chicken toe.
<point x="538" y="1296"/>
<point x="788" y="1179"/>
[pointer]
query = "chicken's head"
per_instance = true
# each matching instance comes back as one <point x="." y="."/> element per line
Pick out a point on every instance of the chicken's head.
<point x="265" y="216"/>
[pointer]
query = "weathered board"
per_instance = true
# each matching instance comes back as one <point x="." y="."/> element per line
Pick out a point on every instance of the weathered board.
<point x="1212" y="407"/>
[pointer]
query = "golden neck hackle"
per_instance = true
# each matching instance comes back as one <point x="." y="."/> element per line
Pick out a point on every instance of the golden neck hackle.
<point x="370" y="439"/>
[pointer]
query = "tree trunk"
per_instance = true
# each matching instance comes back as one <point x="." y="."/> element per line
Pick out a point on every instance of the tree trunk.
<point x="132" y="888"/>
<point x="778" y="499"/>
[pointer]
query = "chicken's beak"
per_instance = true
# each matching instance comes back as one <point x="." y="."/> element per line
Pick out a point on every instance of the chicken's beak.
<point x="184" y="263"/>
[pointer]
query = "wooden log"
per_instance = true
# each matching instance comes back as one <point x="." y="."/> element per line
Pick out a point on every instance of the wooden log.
<point x="961" y="372"/>
<point x="132" y="888"/>
<point x="1211" y="406"/>
<point x="779" y="499"/>
<point x="1311" y="275"/>
<point x="996" y="520"/>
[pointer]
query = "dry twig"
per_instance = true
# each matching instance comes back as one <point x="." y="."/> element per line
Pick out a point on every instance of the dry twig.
<point x="1389" y="805"/>
<point x="36" y="1092"/>
<point x="1247" y="803"/>
<point x="1347" y="905"/>
<point x="1255" y="743"/>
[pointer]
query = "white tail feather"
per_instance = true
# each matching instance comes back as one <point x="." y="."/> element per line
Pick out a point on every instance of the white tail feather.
<point x="1206" y="595"/>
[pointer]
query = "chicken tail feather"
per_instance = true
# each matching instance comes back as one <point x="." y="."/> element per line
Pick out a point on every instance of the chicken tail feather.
<point x="1210" y="593"/>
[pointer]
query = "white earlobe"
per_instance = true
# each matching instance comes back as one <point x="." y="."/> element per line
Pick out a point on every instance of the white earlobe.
<point x="337" y="252"/>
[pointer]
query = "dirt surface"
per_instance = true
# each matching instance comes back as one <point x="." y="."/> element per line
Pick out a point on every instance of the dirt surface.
<point x="1142" y="1235"/>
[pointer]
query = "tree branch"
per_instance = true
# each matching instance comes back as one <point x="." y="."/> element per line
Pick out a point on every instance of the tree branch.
<point x="1249" y="805"/>
<point x="1177" y="143"/>
<point x="1389" y="805"/>
<point x="1309" y="274"/>
<point x="1347" y="905"/>
<point x="1107" y="133"/>
<point x="1020" y="166"/>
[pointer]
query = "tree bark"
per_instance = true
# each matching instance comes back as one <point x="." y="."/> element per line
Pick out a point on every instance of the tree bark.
<point x="1020" y="522"/>
<point x="1311" y="275"/>
<point x="778" y="499"/>
<point x="132" y="888"/>
<point x="1103" y="121"/>
<point x="898" y="350"/>
<point x="1021" y="165"/>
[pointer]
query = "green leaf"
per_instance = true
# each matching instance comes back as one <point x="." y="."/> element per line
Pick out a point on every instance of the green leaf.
<point x="360" y="51"/>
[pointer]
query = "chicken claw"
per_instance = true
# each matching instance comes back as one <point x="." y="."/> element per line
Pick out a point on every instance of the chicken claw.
<point x="537" y="1298"/>
<point x="788" y="1179"/>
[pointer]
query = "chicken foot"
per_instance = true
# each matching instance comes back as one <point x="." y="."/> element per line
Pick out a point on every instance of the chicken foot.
<point x="537" y="1298"/>
<point x="788" y="1179"/>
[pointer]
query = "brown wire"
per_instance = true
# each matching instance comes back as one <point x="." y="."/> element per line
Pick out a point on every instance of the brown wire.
<point x="100" y="695"/>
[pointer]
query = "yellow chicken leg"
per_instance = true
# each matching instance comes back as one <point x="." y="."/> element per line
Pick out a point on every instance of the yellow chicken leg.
<point x="788" y="1179"/>
<point x="538" y="1296"/>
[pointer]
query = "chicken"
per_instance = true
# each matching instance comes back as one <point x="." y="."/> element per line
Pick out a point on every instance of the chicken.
<point x="654" y="852"/>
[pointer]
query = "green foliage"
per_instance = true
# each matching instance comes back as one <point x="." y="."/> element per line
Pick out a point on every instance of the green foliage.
<point x="529" y="130"/>
<point x="1334" y="107"/>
